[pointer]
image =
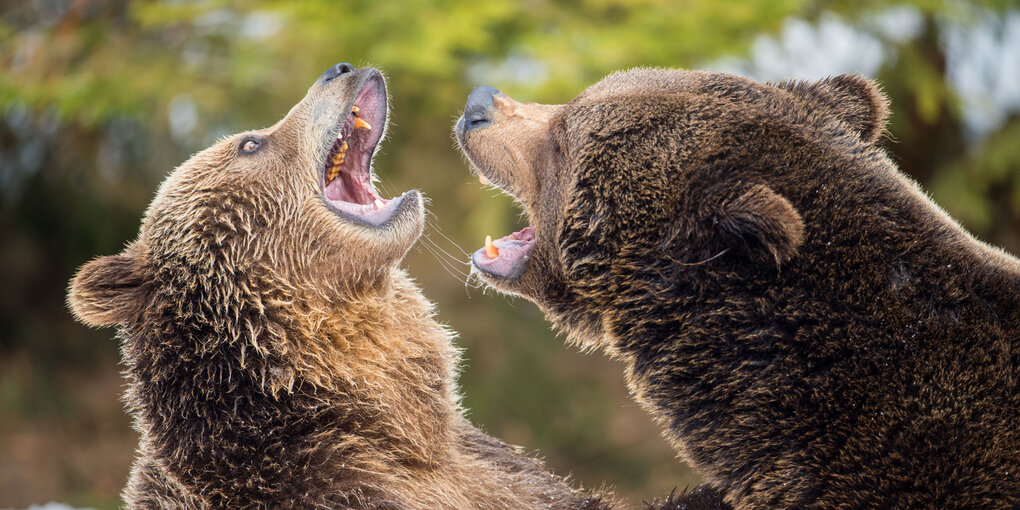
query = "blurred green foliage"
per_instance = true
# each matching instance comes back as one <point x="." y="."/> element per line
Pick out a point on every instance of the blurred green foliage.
<point x="99" y="99"/>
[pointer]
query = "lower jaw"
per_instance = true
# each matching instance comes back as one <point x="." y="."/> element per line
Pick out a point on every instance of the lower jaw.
<point x="510" y="273"/>
<point x="374" y="215"/>
<point x="508" y="257"/>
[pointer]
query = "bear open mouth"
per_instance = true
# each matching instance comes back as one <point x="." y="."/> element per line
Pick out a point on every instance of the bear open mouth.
<point x="505" y="257"/>
<point x="347" y="171"/>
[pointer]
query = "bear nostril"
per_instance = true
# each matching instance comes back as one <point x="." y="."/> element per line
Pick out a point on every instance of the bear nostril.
<point x="335" y="72"/>
<point x="478" y="107"/>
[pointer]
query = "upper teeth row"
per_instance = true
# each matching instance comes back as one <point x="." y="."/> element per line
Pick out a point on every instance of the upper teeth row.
<point x="338" y="158"/>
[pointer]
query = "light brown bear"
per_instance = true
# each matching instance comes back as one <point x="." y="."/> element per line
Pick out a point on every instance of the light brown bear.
<point x="276" y="355"/>
<point x="811" y="329"/>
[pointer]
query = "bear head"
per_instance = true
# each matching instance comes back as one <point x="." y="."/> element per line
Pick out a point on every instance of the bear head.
<point x="262" y="222"/>
<point x="672" y="166"/>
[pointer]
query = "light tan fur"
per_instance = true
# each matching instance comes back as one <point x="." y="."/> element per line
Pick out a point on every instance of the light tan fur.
<point x="276" y="354"/>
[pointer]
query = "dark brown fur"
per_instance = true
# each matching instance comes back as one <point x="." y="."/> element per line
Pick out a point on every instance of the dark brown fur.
<point x="811" y="329"/>
<point x="278" y="357"/>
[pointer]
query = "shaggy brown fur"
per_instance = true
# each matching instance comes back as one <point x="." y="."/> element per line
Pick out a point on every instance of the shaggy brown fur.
<point x="276" y="355"/>
<point x="811" y="329"/>
<point x="703" y="497"/>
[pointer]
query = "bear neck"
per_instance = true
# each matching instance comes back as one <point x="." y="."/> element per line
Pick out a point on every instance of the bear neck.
<point x="253" y="395"/>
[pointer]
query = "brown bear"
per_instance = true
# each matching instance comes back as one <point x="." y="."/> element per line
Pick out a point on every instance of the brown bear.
<point x="276" y="355"/>
<point x="811" y="329"/>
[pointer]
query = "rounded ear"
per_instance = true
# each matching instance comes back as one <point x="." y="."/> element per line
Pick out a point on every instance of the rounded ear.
<point x="107" y="290"/>
<point x="852" y="98"/>
<point x="767" y="223"/>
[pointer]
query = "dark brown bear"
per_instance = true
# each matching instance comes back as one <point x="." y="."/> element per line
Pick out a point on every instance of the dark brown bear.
<point x="812" y="330"/>
<point x="276" y="355"/>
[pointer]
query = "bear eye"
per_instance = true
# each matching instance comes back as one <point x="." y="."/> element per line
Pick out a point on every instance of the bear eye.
<point x="250" y="145"/>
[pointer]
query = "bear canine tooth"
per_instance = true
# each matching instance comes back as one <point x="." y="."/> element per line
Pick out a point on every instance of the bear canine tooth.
<point x="379" y="204"/>
<point x="355" y="109"/>
<point x="491" y="250"/>
<point x="360" y="123"/>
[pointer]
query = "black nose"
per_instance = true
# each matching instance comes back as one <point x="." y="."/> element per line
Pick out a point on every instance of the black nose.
<point x="478" y="107"/>
<point x="335" y="71"/>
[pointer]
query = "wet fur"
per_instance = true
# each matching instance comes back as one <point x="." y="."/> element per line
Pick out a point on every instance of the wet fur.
<point x="809" y="327"/>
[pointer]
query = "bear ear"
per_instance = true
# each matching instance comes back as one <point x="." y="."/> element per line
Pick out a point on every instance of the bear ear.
<point x="107" y="290"/>
<point x="854" y="99"/>
<point x="767" y="223"/>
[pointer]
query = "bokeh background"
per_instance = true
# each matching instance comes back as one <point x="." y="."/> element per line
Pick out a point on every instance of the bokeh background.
<point x="99" y="99"/>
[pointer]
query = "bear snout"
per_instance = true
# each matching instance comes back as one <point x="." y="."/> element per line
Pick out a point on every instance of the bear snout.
<point x="477" y="110"/>
<point x="334" y="72"/>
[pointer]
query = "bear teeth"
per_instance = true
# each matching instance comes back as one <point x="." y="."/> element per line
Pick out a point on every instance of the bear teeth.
<point x="491" y="250"/>
<point x="338" y="159"/>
